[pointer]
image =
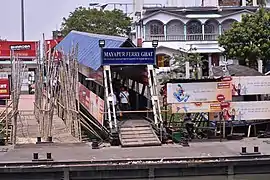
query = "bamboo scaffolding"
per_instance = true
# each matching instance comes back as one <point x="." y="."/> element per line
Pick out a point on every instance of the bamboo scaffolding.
<point x="57" y="83"/>
<point x="17" y="71"/>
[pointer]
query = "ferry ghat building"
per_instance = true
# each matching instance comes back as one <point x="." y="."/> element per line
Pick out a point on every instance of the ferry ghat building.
<point x="195" y="25"/>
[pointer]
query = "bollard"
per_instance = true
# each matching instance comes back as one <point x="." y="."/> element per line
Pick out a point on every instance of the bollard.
<point x="256" y="149"/>
<point x="38" y="139"/>
<point x="95" y="144"/>
<point x="244" y="150"/>
<point x="185" y="143"/>
<point x="49" y="156"/>
<point x="35" y="156"/>
<point x="49" y="139"/>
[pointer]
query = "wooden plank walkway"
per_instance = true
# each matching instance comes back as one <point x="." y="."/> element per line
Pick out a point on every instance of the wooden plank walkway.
<point x="28" y="128"/>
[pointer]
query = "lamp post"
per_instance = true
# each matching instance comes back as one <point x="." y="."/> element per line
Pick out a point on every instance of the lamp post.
<point x="22" y="19"/>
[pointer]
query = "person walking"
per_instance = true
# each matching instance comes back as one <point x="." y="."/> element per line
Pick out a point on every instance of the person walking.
<point x="124" y="99"/>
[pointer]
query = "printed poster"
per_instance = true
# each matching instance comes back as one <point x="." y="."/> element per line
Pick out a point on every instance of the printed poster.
<point x="248" y="110"/>
<point x="198" y="92"/>
<point x="84" y="96"/>
<point x="196" y="107"/>
<point x="92" y="102"/>
<point x="250" y="85"/>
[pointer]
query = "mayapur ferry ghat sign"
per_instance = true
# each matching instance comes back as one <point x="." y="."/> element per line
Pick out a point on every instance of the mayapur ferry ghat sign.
<point x="128" y="56"/>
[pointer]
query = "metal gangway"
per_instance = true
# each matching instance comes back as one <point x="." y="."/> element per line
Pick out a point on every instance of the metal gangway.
<point x="137" y="130"/>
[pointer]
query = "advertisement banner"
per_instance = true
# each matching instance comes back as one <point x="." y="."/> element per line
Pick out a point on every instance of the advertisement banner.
<point x="196" y="107"/>
<point x="129" y="56"/>
<point x="4" y="89"/>
<point x="84" y="96"/>
<point x="198" y="92"/>
<point x="26" y="49"/>
<point x="249" y="110"/>
<point x="250" y="85"/>
<point x="93" y="103"/>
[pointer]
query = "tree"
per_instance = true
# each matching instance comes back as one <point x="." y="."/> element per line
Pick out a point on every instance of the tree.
<point x="261" y="3"/>
<point x="97" y="21"/>
<point x="178" y="64"/>
<point x="248" y="40"/>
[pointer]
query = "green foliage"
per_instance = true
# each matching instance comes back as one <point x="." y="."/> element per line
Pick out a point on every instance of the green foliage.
<point x="194" y="58"/>
<point x="248" y="40"/>
<point x="178" y="64"/>
<point x="261" y="3"/>
<point x="97" y="21"/>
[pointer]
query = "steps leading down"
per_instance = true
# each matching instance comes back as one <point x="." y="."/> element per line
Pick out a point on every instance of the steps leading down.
<point x="138" y="133"/>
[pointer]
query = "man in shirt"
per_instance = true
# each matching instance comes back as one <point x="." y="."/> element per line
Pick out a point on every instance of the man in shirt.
<point x="124" y="99"/>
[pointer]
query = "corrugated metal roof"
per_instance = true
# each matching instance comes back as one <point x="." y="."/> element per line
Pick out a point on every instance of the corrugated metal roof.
<point x="89" y="52"/>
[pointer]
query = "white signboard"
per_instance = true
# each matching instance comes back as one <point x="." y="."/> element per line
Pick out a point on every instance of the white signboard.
<point x="249" y="110"/>
<point x="250" y="85"/>
<point x="196" y="107"/>
<point x="198" y="92"/>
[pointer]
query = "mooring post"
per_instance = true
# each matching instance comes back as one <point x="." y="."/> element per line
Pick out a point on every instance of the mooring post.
<point x="35" y="156"/>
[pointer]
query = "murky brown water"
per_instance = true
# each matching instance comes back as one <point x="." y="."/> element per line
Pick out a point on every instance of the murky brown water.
<point x="234" y="177"/>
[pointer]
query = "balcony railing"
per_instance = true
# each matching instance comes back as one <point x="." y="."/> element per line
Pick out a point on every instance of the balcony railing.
<point x="182" y="37"/>
<point x="159" y="37"/>
<point x="211" y="37"/>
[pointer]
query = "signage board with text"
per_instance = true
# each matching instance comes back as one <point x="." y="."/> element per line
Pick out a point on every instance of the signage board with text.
<point x="4" y="89"/>
<point x="128" y="56"/>
<point x="247" y="110"/>
<point x="250" y="85"/>
<point x="198" y="92"/>
<point x="22" y="49"/>
<point x="92" y="103"/>
<point x="196" y="107"/>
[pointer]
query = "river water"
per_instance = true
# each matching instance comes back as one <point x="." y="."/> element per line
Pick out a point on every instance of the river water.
<point x="232" y="177"/>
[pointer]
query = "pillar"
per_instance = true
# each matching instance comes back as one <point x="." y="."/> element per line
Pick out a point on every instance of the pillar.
<point x="219" y="29"/>
<point x="260" y="66"/>
<point x="209" y="64"/>
<point x="187" y="70"/>
<point x="144" y="31"/>
<point x="185" y="32"/>
<point x="254" y="3"/>
<point x="165" y="32"/>
<point x="202" y="31"/>
<point x="244" y="3"/>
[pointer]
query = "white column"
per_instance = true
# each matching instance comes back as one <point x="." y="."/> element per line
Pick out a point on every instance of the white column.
<point x="144" y="31"/>
<point x="187" y="70"/>
<point x="185" y="32"/>
<point x="244" y="3"/>
<point x="254" y="3"/>
<point x="202" y="31"/>
<point x="165" y="32"/>
<point x="210" y="64"/>
<point x="260" y="66"/>
<point x="219" y="29"/>
<point x="139" y="30"/>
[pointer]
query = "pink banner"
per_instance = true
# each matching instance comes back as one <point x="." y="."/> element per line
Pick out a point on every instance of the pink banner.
<point x="92" y="102"/>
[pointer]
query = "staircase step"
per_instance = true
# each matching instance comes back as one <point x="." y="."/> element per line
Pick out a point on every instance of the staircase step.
<point x="135" y="128"/>
<point x="139" y="144"/>
<point x="136" y="132"/>
<point x="153" y="139"/>
<point x="129" y="136"/>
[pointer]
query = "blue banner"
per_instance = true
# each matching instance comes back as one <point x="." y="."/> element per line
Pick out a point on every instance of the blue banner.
<point x="129" y="56"/>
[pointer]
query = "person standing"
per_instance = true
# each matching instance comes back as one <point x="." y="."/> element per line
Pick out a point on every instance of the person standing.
<point x="124" y="99"/>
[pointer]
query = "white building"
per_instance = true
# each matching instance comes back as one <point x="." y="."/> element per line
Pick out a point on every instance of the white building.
<point x="196" y="25"/>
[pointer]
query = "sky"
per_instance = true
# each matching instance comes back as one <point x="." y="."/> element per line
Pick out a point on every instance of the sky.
<point x="41" y="16"/>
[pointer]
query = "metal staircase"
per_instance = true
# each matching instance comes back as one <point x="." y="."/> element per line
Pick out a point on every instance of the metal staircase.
<point x="109" y="98"/>
<point x="136" y="133"/>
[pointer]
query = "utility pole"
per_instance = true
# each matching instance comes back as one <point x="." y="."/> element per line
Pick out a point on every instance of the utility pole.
<point x="22" y="19"/>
